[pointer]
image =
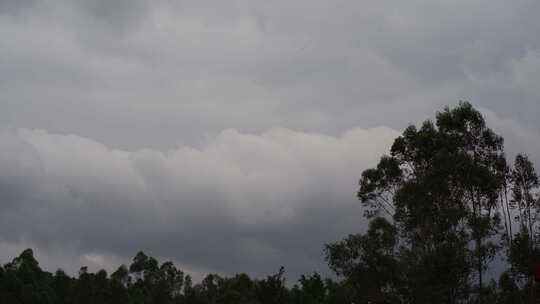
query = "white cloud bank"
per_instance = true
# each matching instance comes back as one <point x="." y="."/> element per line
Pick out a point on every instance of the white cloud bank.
<point x="239" y="202"/>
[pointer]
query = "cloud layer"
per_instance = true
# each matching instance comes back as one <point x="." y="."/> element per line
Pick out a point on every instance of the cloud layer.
<point x="136" y="74"/>
<point x="240" y="202"/>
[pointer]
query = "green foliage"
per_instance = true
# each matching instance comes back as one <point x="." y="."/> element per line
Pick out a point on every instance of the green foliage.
<point x="24" y="281"/>
<point x="146" y="281"/>
<point x="368" y="261"/>
<point x="445" y="188"/>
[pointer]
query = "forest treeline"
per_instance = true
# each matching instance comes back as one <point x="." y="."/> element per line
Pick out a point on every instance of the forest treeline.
<point x="451" y="220"/>
<point x="148" y="281"/>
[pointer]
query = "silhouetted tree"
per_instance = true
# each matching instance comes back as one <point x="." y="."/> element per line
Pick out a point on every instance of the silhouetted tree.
<point x="368" y="262"/>
<point x="272" y="290"/>
<point x="442" y="186"/>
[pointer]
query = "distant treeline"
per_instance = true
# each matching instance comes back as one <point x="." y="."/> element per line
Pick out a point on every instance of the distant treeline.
<point x="147" y="281"/>
<point x="443" y="207"/>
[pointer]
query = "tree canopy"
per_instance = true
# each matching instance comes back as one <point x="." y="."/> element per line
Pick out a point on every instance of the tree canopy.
<point x="450" y="205"/>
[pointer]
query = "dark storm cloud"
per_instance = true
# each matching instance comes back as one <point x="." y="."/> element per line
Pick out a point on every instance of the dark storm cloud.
<point x="148" y="88"/>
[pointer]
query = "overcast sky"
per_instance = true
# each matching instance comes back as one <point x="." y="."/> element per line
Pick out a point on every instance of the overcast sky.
<point x="228" y="136"/>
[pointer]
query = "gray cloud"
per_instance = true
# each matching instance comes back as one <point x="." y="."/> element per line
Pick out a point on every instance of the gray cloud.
<point x="138" y="74"/>
<point x="153" y="91"/>
<point x="241" y="202"/>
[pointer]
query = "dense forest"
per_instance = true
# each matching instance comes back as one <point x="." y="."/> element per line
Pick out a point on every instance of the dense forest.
<point x="444" y="206"/>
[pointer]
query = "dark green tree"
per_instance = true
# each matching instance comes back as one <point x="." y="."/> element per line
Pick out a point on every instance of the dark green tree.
<point x="524" y="251"/>
<point x="479" y="153"/>
<point x="311" y="290"/>
<point x="272" y="290"/>
<point x="368" y="262"/>
<point x="26" y="282"/>
<point x="441" y="186"/>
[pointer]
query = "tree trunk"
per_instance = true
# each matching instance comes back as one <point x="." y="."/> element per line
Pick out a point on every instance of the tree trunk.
<point x="480" y="272"/>
<point x="508" y="211"/>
